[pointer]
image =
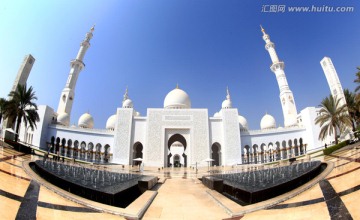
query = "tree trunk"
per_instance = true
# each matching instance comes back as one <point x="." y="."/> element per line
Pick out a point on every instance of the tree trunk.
<point x="352" y="123"/>
<point x="335" y="133"/>
<point x="17" y="128"/>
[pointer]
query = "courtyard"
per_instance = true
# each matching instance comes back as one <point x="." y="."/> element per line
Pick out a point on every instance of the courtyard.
<point x="181" y="195"/>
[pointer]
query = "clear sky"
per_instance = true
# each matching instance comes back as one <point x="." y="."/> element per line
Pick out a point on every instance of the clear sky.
<point x="203" y="45"/>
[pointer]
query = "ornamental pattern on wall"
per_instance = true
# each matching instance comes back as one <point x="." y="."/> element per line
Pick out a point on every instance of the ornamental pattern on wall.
<point x="122" y="135"/>
<point x="198" y="128"/>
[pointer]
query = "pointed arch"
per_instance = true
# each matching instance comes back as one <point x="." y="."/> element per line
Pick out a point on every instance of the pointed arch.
<point x="246" y="154"/>
<point x="107" y="152"/>
<point x="278" y="150"/>
<point x="270" y="153"/>
<point x="177" y="138"/>
<point x="137" y="152"/>
<point x="301" y="146"/>
<point x="83" y="146"/>
<point x="216" y="154"/>
<point x="283" y="149"/>
<point x="256" y="153"/>
<point x="98" y="151"/>
<point x="291" y="148"/>
<point x="263" y="151"/>
<point x="296" y="147"/>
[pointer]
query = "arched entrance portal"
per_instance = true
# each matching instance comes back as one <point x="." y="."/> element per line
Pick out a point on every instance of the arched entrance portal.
<point x="137" y="152"/>
<point x="176" y="150"/>
<point x="215" y="154"/>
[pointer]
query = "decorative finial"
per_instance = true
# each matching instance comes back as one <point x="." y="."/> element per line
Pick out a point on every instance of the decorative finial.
<point x="227" y="93"/>
<point x="177" y="85"/>
<point x="126" y="95"/>
<point x="92" y="28"/>
<point x="262" y="29"/>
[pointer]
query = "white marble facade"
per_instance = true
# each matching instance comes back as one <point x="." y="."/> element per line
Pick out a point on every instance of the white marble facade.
<point x="181" y="135"/>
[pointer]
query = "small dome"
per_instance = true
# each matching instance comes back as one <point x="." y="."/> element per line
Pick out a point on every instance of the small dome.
<point x="128" y="104"/>
<point x="110" y="123"/>
<point x="137" y="114"/>
<point x="217" y="115"/>
<point x="226" y="104"/>
<point x="86" y="121"/>
<point x="243" y="122"/>
<point x="177" y="98"/>
<point x="63" y="119"/>
<point x="267" y="122"/>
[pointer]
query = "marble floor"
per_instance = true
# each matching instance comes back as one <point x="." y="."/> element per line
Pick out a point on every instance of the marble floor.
<point x="182" y="196"/>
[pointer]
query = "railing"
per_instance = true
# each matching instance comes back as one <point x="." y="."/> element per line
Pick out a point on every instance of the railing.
<point x="274" y="130"/>
<point x="91" y="130"/>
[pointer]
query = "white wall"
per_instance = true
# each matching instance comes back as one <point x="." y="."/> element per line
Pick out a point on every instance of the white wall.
<point x="138" y="134"/>
<point x="231" y="151"/>
<point x="216" y="131"/>
<point x="139" y="130"/>
<point x="81" y="134"/>
<point x="39" y="134"/>
<point x="200" y="132"/>
<point x="308" y="116"/>
<point x="123" y="135"/>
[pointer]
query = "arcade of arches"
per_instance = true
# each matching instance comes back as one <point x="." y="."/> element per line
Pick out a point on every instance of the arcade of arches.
<point x="176" y="148"/>
<point x="80" y="150"/>
<point x="273" y="151"/>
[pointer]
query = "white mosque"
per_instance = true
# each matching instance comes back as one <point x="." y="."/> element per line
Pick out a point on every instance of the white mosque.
<point x="177" y="135"/>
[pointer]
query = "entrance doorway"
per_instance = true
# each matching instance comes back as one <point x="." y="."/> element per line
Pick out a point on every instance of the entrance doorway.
<point x="137" y="152"/>
<point x="176" y="155"/>
<point x="215" y="154"/>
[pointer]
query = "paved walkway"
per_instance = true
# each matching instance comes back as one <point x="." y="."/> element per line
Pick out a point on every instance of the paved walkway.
<point x="182" y="197"/>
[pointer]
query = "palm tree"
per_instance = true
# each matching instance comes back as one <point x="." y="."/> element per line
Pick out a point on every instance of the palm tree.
<point x="2" y="108"/>
<point x="357" y="80"/>
<point x="21" y="107"/>
<point x="353" y="107"/>
<point x="332" y="117"/>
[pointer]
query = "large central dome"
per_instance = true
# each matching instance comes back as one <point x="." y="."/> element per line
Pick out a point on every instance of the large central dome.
<point x="177" y="99"/>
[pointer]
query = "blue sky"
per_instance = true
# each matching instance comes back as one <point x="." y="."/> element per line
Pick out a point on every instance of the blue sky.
<point x="204" y="46"/>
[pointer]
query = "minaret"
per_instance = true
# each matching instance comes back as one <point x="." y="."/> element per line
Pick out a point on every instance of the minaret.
<point x="333" y="80"/>
<point x="335" y="88"/>
<point x="67" y="95"/>
<point x="286" y="96"/>
<point x="21" y="79"/>
<point x="24" y="71"/>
